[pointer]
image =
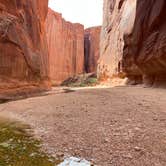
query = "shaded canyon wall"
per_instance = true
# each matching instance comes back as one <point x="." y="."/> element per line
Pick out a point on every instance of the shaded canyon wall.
<point x="23" y="45"/>
<point x="133" y="40"/>
<point x="91" y="48"/>
<point x="145" y="46"/>
<point x="66" y="47"/>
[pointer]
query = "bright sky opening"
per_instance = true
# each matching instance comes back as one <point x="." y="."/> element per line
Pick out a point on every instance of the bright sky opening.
<point x="86" y="12"/>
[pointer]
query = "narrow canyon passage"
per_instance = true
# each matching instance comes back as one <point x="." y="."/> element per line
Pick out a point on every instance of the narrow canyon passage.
<point x="63" y="75"/>
<point x="113" y="126"/>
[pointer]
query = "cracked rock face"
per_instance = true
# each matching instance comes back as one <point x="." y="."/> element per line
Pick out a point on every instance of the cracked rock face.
<point x="23" y="44"/>
<point x="133" y="40"/>
<point x="66" y="47"/>
<point x="91" y="48"/>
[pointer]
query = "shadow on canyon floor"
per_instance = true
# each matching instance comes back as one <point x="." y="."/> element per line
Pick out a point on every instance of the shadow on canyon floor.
<point x="5" y="98"/>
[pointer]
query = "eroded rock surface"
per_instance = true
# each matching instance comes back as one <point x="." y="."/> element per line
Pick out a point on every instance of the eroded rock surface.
<point x="23" y="44"/>
<point x="66" y="47"/>
<point x="145" y="46"/>
<point x="91" y="48"/>
<point x="119" y="17"/>
<point x="133" y="41"/>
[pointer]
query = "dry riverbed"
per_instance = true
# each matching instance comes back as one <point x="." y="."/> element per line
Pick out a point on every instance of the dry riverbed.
<point x="122" y="126"/>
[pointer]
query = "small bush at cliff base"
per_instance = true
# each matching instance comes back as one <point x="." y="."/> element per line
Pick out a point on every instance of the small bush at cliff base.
<point x="81" y="81"/>
<point x="91" y="81"/>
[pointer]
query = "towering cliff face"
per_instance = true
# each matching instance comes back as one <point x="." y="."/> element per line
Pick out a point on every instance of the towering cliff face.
<point x="145" y="46"/>
<point x="66" y="47"/>
<point x="91" y="48"/>
<point x="23" y="47"/>
<point x="119" y="16"/>
<point x="134" y="40"/>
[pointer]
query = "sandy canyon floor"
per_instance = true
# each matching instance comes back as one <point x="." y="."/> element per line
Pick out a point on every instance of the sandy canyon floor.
<point x="122" y="126"/>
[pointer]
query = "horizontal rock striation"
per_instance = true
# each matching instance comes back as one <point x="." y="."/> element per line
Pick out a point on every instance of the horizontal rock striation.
<point x="91" y="48"/>
<point x="66" y="47"/>
<point x="23" y="44"/>
<point x="133" y="40"/>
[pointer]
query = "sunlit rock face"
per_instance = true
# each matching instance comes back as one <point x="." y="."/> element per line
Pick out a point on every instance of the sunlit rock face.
<point x="91" y="48"/>
<point x="66" y="47"/>
<point x="118" y="19"/>
<point x="23" y="44"/>
<point x="133" y="40"/>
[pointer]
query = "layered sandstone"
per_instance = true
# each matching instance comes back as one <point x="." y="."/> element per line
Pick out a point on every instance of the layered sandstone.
<point x="133" y="41"/>
<point x="91" y="48"/>
<point x="23" y="46"/>
<point x="66" y="47"/>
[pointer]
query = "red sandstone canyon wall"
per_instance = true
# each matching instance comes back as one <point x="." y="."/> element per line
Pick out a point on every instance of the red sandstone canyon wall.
<point x="23" y="44"/>
<point x="66" y="47"/>
<point x="133" y="40"/>
<point x="92" y="48"/>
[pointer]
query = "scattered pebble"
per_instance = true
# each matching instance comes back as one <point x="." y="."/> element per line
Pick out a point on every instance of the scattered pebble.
<point x="73" y="161"/>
